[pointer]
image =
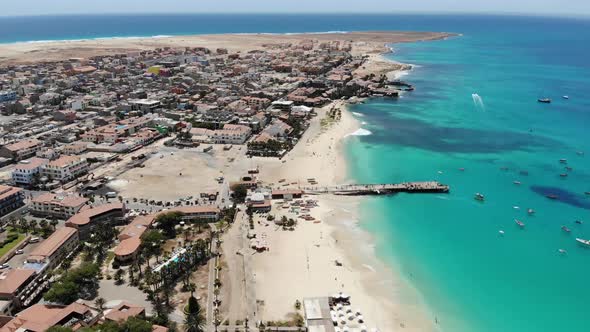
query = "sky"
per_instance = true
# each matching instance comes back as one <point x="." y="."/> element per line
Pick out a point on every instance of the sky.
<point x="534" y="7"/>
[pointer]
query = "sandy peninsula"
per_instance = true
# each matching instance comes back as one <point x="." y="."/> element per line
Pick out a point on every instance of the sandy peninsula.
<point x="364" y="43"/>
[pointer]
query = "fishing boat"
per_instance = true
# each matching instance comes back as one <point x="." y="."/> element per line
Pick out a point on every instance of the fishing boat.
<point x="584" y="242"/>
<point x="519" y="223"/>
<point x="565" y="229"/>
<point x="565" y="97"/>
<point x="544" y="100"/>
<point x="479" y="197"/>
<point x="552" y="196"/>
<point x="517" y="183"/>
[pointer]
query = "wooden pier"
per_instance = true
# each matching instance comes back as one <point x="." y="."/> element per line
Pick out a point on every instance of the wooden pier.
<point x="379" y="189"/>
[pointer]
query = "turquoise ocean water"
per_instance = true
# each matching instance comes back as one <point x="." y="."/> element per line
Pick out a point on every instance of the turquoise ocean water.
<point x="448" y="246"/>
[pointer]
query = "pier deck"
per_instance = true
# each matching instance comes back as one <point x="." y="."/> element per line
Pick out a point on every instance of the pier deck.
<point x="379" y="189"/>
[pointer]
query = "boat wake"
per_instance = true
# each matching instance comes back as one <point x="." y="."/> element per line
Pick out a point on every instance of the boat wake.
<point x="360" y="132"/>
<point x="478" y="102"/>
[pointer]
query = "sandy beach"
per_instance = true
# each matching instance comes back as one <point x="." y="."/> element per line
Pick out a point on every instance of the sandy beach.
<point x="302" y="263"/>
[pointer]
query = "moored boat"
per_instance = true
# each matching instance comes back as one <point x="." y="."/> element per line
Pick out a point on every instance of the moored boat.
<point x="584" y="242"/>
<point x="544" y="100"/>
<point x="563" y="175"/>
<point x="565" y="229"/>
<point x="552" y="196"/>
<point x="479" y="197"/>
<point x="579" y="222"/>
<point x="519" y="223"/>
<point x="516" y="183"/>
<point x="565" y="97"/>
<point x="563" y="161"/>
<point x="562" y="251"/>
<point x="531" y="211"/>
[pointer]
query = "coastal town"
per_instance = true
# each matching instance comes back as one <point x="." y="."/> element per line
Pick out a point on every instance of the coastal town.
<point x="175" y="187"/>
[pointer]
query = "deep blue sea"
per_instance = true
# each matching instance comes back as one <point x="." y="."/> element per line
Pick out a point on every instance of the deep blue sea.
<point x="475" y="108"/>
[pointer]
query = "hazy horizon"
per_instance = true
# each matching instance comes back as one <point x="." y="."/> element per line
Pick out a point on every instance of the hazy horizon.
<point x="143" y="7"/>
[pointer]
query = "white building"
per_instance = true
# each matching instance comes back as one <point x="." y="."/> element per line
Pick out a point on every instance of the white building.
<point x="26" y="171"/>
<point x="231" y="134"/>
<point x="65" y="168"/>
<point x="61" y="206"/>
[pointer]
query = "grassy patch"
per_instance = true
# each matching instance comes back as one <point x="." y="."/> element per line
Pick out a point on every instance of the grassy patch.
<point x="110" y="256"/>
<point x="7" y="247"/>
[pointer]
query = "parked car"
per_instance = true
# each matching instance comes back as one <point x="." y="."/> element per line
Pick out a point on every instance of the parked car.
<point x="34" y="240"/>
<point x="19" y="252"/>
<point x="4" y="266"/>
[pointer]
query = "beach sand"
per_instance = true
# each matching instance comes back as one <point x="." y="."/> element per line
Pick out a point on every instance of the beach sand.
<point x="302" y="263"/>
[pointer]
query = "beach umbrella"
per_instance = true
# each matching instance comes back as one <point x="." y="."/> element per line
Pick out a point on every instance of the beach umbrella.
<point x="345" y="329"/>
<point x="363" y="328"/>
<point x="358" y="311"/>
<point x="360" y="318"/>
<point x="337" y="329"/>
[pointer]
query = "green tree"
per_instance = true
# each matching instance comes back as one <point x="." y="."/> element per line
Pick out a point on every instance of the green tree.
<point x="240" y="193"/>
<point x="167" y="223"/>
<point x="194" y="319"/>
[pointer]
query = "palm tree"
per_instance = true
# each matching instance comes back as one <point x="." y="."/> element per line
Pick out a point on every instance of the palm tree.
<point x="194" y="319"/>
<point x="99" y="303"/>
<point x="53" y="222"/>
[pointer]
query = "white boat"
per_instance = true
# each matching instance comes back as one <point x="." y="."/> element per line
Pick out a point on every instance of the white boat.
<point x="562" y="251"/>
<point x="565" y="97"/>
<point x="501" y="232"/>
<point x="519" y="223"/>
<point x="517" y="183"/>
<point x="584" y="242"/>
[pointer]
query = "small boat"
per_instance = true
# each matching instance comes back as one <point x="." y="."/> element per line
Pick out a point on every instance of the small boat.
<point x="565" y="229"/>
<point x="462" y="169"/>
<point x="579" y="222"/>
<point x="440" y="172"/>
<point x="501" y="232"/>
<point x="524" y="172"/>
<point x="562" y="251"/>
<point x="544" y="100"/>
<point x="587" y="193"/>
<point x="516" y="207"/>
<point x="563" y="175"/>
<point x="568" y="168"/>
<point x="519" y="223"/>
<point x="584" y="242"/>
<point x="516" y="183"/>
<point x="503" y="168"/>
<point x="580" y="153"/>
<point x="479" y="197"/>
<point x="531" y="211"/>
<point x="552" y="196"/>
<point x="565" y="97"/>
<point x="563" y="161"/>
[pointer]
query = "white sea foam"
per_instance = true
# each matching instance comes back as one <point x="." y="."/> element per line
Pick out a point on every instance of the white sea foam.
<point x="48" y="41"/>
<point x="360" y="132"/>
<point x="369" y="267"/>
<point x="357" y="114"/>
